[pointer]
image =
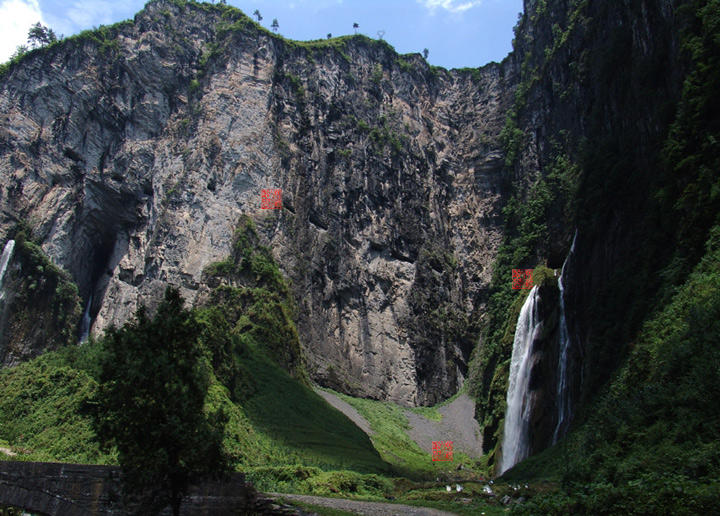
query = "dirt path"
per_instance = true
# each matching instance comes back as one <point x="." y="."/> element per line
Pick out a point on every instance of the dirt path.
<point x="458" y="424"/>
<point x="365" y="508"/>
<point x="346" y="409"/>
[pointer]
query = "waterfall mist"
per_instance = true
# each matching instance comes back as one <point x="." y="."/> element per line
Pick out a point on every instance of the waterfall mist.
<point x="562" y="395"/>
<point x="5" y="260"/>
<point x="516" y="439"/>
<point x="86" y="322"/>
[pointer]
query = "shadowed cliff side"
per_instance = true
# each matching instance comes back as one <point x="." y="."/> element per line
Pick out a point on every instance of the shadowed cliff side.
<point x="612" y="133"/>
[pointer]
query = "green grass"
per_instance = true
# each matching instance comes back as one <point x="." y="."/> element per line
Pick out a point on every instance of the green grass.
<point x="390" y="437"/>
<point x="294" y="417"/>
<point x="432" y="413"/>
<point x="390" y="426"/>
<point x="42" y="405"/>
<point x="314" y="481"/>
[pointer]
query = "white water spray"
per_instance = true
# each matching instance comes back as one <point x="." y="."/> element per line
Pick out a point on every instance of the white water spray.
<point x="86" y="322"/>
<point x="516" y="438"/>
<point x="562" y="394"/>
<point x="5" y="260"/>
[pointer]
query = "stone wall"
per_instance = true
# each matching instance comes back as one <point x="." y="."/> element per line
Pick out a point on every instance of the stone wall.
<point x="56" y="489"/>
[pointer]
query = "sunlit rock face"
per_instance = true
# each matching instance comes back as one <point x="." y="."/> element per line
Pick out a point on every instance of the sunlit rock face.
<point x="133" y="160"/>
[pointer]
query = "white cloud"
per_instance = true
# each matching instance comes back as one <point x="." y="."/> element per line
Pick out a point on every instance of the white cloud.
<point x="453" y="6"/>
<point x="16" y="17"/>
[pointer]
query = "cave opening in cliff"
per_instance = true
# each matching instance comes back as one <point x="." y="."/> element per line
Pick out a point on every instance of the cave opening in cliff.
<point x="99" y="270"/>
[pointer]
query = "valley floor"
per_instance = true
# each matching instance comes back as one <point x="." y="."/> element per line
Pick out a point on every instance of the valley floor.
<point x="458" y="424"/>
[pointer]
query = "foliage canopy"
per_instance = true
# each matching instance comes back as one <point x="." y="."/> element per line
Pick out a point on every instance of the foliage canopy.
<point x="153" y="383"/>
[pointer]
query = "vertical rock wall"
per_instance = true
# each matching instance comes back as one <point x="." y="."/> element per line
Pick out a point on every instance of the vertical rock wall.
<point x="134" y="158"/>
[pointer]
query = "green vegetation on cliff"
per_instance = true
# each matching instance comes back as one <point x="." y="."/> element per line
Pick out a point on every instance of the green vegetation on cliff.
<point x="246" y="334"/>
<point x="645" y="439"/>
<point x="44" y="305"/>
<point x="251" y="295"/>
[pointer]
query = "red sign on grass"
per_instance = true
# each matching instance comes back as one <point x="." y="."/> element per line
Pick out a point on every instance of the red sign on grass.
<point x="522" y="278"/>
<point x="442" y="450"/>
<point x="271" y="199"/>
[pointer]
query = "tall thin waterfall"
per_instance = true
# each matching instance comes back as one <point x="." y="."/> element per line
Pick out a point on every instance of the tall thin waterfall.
<point x="516" y="439"/>
<point x="564" y="410"/>
<point x="4" y="262"/>
<point x="86" y="322"/>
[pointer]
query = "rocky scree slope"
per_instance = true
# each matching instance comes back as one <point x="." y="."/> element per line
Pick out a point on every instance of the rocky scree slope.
<point x="133" y="150"/>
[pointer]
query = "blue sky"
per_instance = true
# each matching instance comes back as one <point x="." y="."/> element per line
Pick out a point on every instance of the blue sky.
<point x="457" y="33"/>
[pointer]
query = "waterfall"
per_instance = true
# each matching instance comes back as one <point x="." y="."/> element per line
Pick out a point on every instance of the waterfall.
<point x="562" y="395"/>
<point x="86" y="322"/>
<point x="4" y="262"/>
<point x="516" y="439"/>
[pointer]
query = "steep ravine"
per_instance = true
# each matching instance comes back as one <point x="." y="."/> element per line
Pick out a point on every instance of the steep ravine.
<point x="409" y="195"/>
<point x="599" y="103"/>
<point x="133" y="151"/>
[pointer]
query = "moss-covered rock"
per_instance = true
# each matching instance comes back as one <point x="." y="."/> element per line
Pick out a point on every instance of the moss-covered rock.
<point x="41" y="305"/>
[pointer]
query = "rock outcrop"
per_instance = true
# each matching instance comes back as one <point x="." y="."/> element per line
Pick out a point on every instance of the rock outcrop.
<point x="133" y="151"/>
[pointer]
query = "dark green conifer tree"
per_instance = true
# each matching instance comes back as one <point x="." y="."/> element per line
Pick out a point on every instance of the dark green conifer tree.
<point x="151" y="404"/>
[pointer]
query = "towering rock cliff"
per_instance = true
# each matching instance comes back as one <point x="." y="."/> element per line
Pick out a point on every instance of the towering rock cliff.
<point x="602" y="82"/>
<point x="409" y="192"/>
<point x="133" y="150"/>
<point x="597" y="142"/>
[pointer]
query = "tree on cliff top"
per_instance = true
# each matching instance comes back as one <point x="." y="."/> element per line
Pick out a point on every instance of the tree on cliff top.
<point x="39" y="35"/>
<point x="154" y="380"/>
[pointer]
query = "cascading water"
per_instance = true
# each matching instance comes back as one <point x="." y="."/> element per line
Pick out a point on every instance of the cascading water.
<point x="516" y="438"/>
<point x="562" y="395"/>
<point x="4" y="262"/>
<point x="86" y="322"/>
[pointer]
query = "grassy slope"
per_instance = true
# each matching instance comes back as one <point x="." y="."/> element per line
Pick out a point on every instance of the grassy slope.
<point x="43" y="414"/>
<point x="300" y="422"/>
<point x="390" y="437"/>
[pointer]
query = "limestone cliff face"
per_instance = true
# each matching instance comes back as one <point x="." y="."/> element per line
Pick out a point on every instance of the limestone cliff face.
<point x="134" y="152"/>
